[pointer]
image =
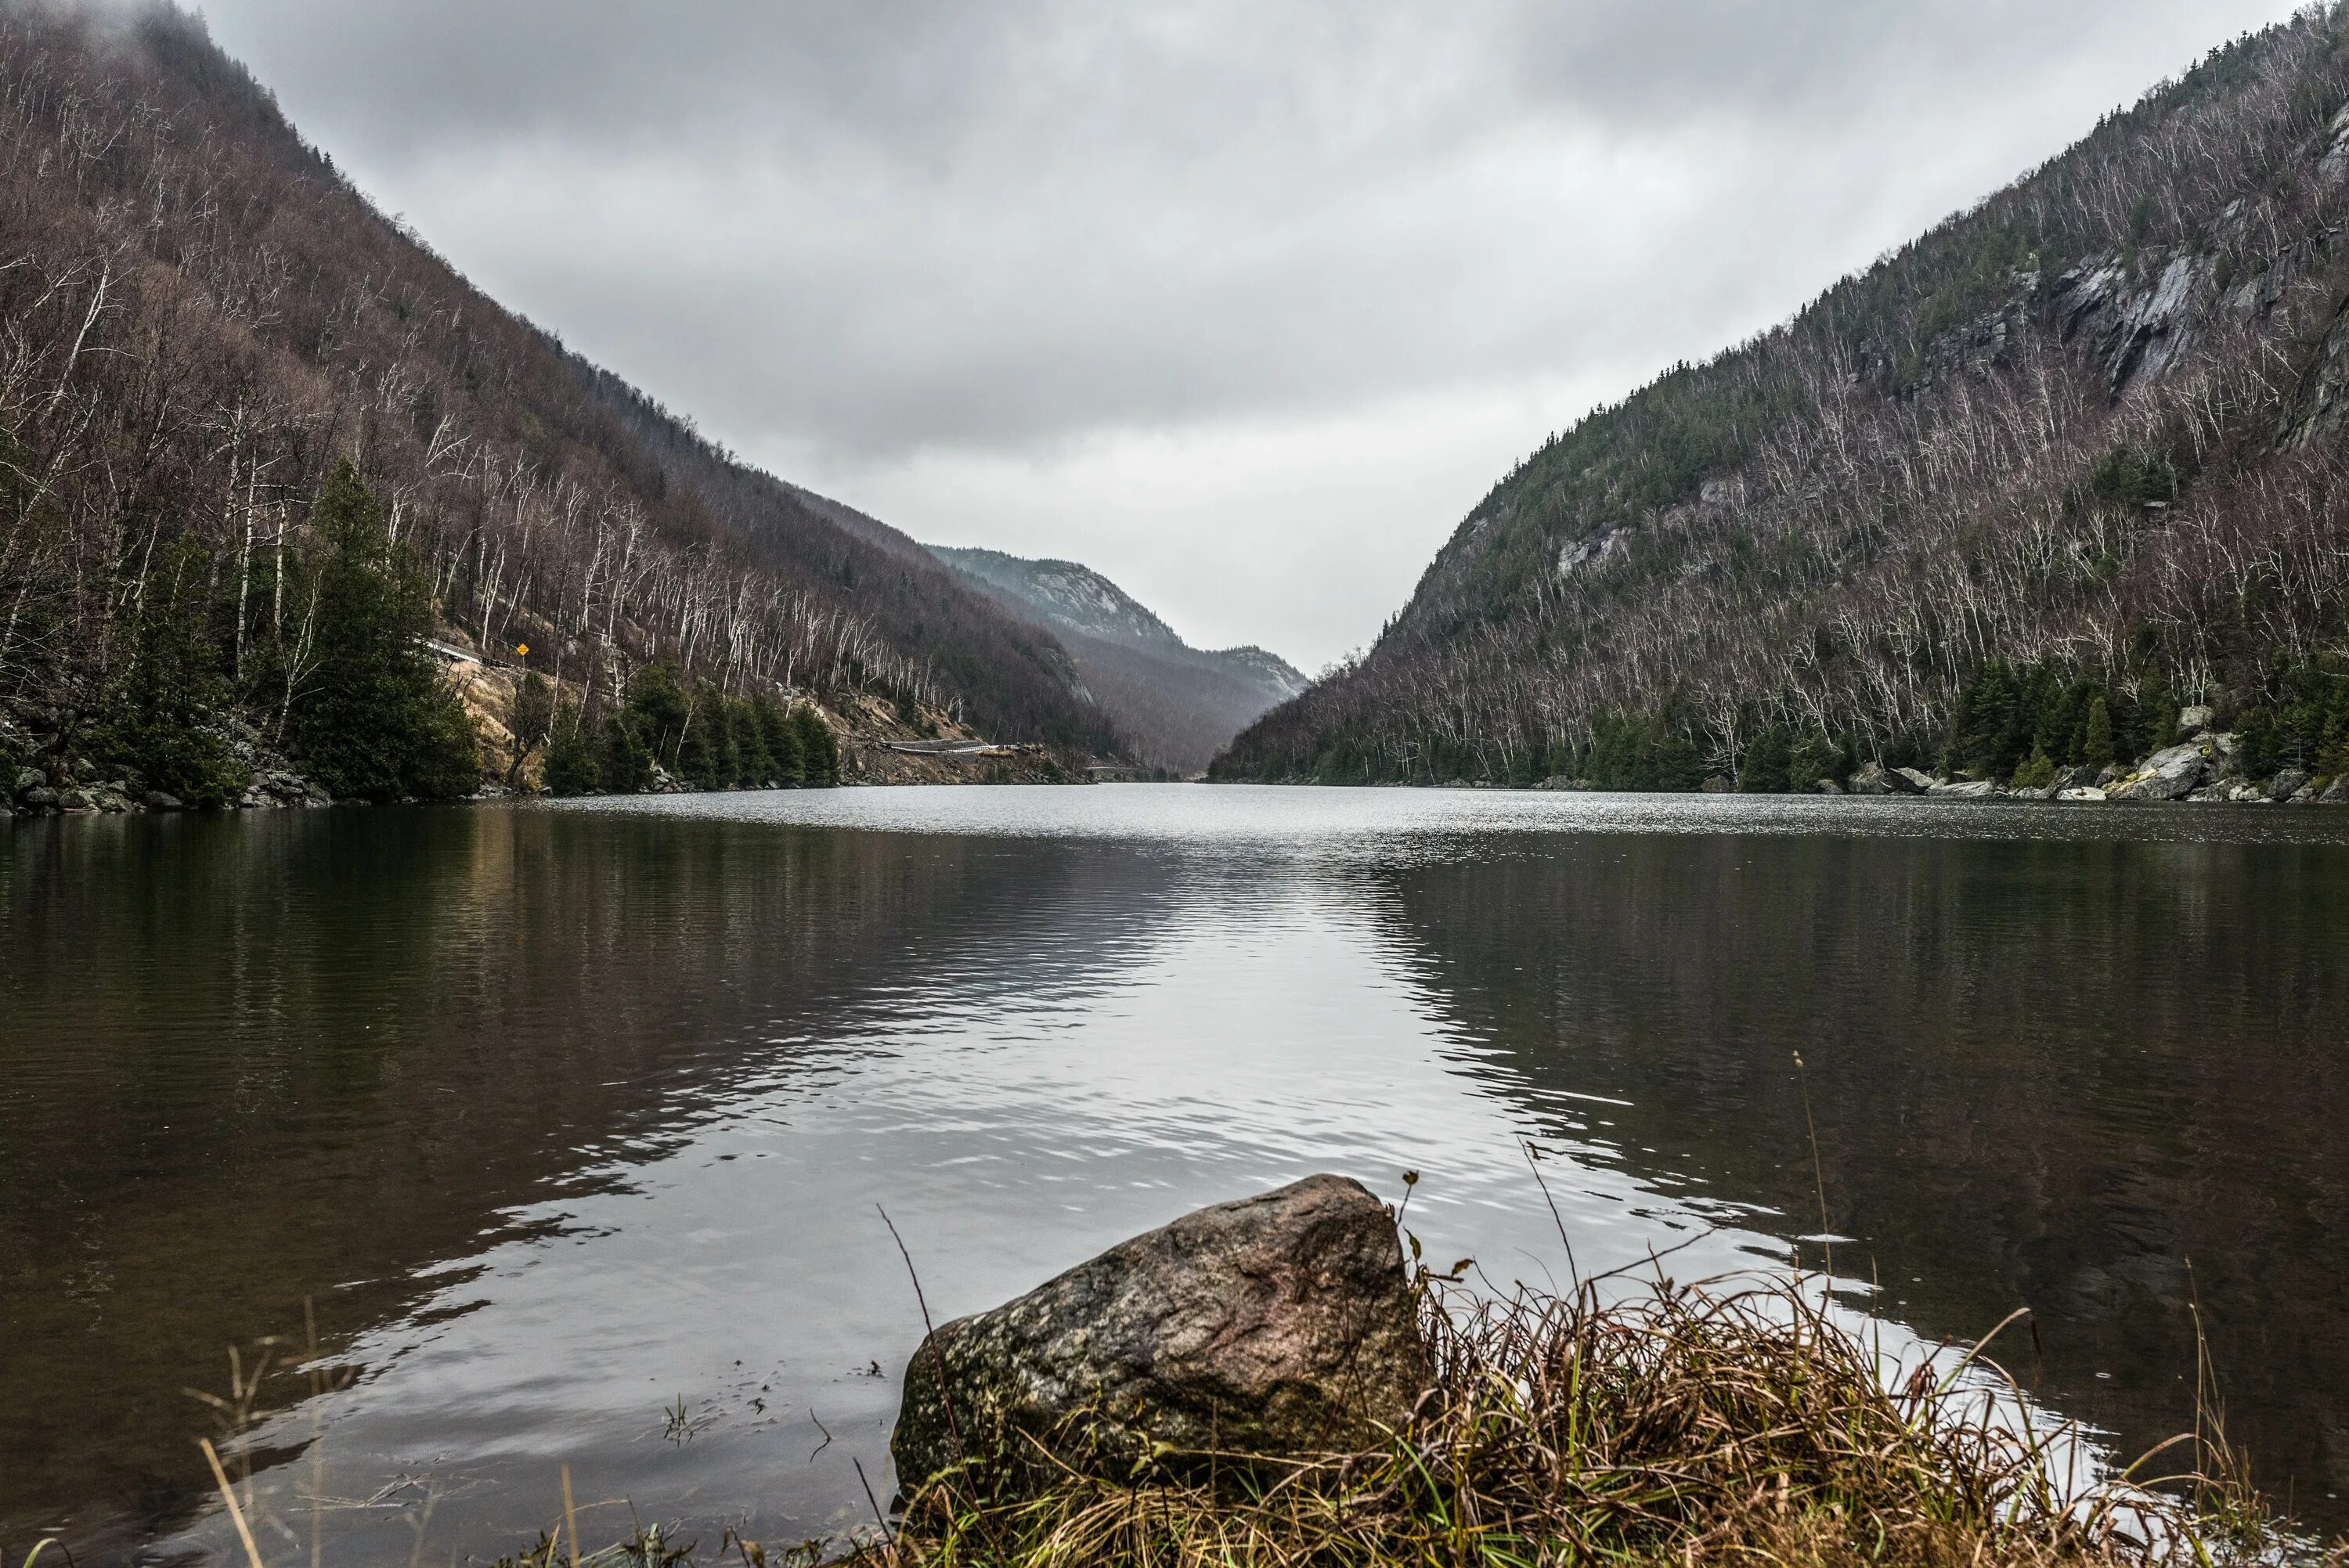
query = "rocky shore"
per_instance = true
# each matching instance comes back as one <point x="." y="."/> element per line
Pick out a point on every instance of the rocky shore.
<point x="2205" y="764"/>
<point x="43" y="771"/>
<point x="61" y="782"/>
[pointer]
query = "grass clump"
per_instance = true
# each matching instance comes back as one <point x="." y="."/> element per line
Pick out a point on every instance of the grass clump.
<point x="1682" y="1425"/>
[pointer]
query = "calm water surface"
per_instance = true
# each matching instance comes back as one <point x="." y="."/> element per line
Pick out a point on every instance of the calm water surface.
<point x="555" y="1117"/>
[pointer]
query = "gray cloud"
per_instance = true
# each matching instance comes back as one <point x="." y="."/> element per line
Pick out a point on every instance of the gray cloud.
<point x="954" y="259"/>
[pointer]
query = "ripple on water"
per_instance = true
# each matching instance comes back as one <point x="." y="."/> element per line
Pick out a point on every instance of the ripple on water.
<point x="561" y="1113"/>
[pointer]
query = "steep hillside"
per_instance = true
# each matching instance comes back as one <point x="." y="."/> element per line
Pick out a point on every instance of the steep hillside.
<point x="1180" y="705"/>
<point x="204" y="318"/>
<point x="2012" y="496"/>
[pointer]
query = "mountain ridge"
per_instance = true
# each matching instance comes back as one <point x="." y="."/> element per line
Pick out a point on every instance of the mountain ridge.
<point x="1178" y="704"/>
<point x="2074" y="446"/>
<point x="210" y="317"/>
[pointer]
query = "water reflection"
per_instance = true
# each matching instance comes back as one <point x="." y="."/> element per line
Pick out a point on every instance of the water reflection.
<point x="562" y="1115"/>
<point x="257" y="1060"/>
<point x="2102" y="1081"/>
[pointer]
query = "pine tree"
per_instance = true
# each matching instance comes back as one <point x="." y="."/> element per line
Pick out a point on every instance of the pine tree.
<point x="754" y="766"/>
<point x="2096" y="748"/>
<point x="1767" y="757"/>
<point x="656" y="709"/>
<point x="1814" y="759"/>
<point x="1993" y="723"/>
<point x="572" y="768"/>
<point x="705" y="756"/>
<point x="2156" y="714"/>
<point x="158" y="713"/>
<point x="625" y="766"/>
<point x="2333" y="745"/>
<point x="819" y="751"/>
<point x="377" y="719"/>
<point x="782" y="738"/>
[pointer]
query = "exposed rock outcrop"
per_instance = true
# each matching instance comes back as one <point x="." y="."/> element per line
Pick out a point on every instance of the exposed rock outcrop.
<point x="1276" y="1326"/>
<point x="2168" y="775"/>
<point x="1871" y="780"/>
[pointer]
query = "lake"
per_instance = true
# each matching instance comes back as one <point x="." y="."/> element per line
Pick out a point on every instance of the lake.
<point x="514" y="1138"/>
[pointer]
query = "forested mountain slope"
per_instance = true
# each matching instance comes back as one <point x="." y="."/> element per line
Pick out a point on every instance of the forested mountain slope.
<point x="200" y="319"/>
<point x="1179" y="705"/>
<point x="2014" y="494"/>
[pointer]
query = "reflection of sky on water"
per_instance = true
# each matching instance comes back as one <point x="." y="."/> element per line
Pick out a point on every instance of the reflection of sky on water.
<point x="1391" y="825"/>
<point x="1033" y="1022"/>
<point x="1257" y="1032"/>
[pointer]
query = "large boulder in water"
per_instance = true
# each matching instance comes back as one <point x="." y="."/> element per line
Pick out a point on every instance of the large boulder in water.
<point x="1277" y="1326"/>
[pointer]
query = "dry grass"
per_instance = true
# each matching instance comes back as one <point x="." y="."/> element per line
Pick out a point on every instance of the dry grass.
<point x="1684" y="1424"/>
<point x="1676" y="1426"/>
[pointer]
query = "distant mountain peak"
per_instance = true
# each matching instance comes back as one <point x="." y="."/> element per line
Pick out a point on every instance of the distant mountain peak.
<point x="1277" y="672"/>
<point x="1069" y="593"/>
<point x="1180" y="703"/>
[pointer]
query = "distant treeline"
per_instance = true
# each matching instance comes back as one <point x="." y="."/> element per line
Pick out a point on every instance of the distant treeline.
<point x="703" y="739"/>
<point x="2017" y="725"/>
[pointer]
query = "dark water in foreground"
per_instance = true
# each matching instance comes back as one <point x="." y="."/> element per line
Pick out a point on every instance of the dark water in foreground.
<point x="559" y="1116"/>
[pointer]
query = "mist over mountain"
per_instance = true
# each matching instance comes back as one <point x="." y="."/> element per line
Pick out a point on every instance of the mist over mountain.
<point x="2008" y="498"/>
<point x="1180" y="705"/>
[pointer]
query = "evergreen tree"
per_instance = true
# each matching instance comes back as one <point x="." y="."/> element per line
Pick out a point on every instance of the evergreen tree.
<point x="781" y="739"/>
<point x="754" y="766"/>
<point x="656" y="709"/>
<point x="819" y="751"/>
<point x="2096" y="743"/>
<point x="1767" y="759"/>
<point x="1814" y="758"/>
<point x="158" y="713"/>
<point x="2157" y="714"/>
<point x="2302" y="722"/>
<point x="1991" y="720"/>
<point x="2129" y="479"/>
<point x="1673" y="762"/>
<point x="2333" y="745"/>
<point x="625" y="767"/>
<point x="377" y="719"/>
<point x="2062" y="732"/>
<point x="705" y="754"/>
<point x="572" y="766"/>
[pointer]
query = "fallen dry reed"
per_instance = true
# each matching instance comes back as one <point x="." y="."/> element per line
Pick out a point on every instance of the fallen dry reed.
<point x="1740" y="1422"/>
<point x="1679" y="1425"/>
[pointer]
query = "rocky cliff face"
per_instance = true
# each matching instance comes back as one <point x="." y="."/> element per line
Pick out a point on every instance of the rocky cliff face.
<point x="1269" y="670"/>
<point x="2090" y="428"/>
<point x="1072" y="596"/>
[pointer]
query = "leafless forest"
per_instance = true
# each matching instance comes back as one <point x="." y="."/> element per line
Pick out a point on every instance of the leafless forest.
<point x="200" y="317"/>
<point x="2093" y="426"/>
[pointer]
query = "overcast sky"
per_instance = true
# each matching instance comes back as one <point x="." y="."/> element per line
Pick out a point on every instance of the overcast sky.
<point x="1243" y="303"/>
